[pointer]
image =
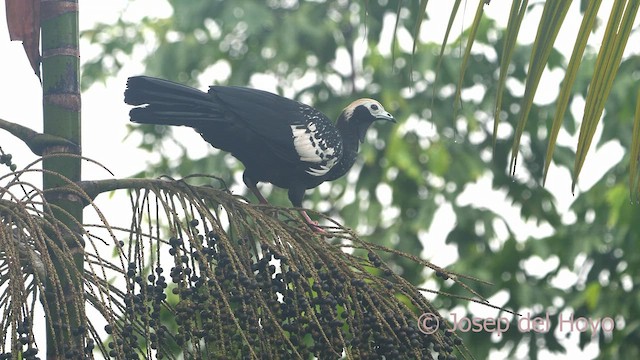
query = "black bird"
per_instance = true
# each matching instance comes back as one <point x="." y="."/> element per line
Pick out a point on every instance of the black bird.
<point x="281" y="141"/>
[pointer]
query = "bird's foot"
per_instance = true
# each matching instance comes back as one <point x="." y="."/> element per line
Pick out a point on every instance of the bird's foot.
<point x="313" y="224"/>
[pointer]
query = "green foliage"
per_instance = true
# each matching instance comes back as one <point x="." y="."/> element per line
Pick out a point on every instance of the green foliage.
<point x="430" y="158"/>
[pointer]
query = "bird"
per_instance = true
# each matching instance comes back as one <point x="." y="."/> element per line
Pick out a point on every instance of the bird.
<point x="278" y="140"/>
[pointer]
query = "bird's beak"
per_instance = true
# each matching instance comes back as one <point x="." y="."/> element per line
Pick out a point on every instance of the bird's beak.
<point x="386" y="116"/>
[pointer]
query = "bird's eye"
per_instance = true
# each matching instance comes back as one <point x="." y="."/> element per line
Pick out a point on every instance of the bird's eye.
<point x="374" y="107"/>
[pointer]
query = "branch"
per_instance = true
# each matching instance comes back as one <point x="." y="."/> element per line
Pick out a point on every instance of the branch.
<point x="93" y="188"/>
<point x="37" y="142"/>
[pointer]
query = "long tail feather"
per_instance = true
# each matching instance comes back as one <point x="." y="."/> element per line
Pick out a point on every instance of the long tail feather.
<point x="167" y="103"/>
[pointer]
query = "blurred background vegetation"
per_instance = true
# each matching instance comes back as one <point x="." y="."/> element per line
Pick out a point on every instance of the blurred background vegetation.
<point x="581" y="258"/>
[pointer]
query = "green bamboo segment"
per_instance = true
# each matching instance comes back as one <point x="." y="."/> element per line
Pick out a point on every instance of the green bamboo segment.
<point x="61" y="116"/>
<point x="552" y="18"/>
<point x="607" y="64"/>
<point x="473" y="30"/>
<point x="634" y="185"/>
<point x="61" y="30"/>
<point x="518" y="8"/>
<point x="588" y="22"/>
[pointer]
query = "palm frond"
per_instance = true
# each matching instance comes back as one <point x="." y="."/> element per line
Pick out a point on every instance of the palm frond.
<point x="201" y="273"/>
<point x="607" y="63"/>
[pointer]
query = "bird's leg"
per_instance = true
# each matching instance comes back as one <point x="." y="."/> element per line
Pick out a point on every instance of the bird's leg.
<point x="295" y="196"/>
<point x="256" y="192"/>
<point x="254" y="189"/>
<point x="313" y="224"/>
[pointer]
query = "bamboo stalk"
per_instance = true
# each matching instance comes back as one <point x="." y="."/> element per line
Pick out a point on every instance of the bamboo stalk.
<point x="61" y="113"/>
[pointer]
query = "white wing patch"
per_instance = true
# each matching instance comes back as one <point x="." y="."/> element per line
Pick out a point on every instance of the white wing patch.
<point x="302" y="141"/>
<point x="313" y="149"/>
<point x="318" y="172"/>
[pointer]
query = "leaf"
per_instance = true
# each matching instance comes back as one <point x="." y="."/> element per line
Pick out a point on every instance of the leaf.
<point x="23" y="22"/>
<point x="513" y="28"/>
<point x="616" y="198"/>
<point x="552" y="18"/>
<point x="473" y="30"/>
<point x="416" y="30"/>
<point x="592" y="295"/>
<point x="613" y="43"/>
<point x="395" y="33"/>
<point x="439" y="159"/>
<point x="634" y="186"/>
<point x="400" y="153"/>
<point x="588" y="21"/>
<point x="452" y="17"/>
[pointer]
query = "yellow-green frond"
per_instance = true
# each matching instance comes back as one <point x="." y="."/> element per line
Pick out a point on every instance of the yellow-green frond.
<point x="452" y="17"/>
<point x="588" y="22"/>
<point x="473" y="30"/>
<point x="634" y="179"/>
<point x="607" y="64"/>
<point x="516" y="15"/>
<point x="553" y="16"/>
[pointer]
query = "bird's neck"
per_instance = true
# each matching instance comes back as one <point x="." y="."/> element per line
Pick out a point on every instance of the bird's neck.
<point x="350" y="146"/>
<point x="349" y="134"/>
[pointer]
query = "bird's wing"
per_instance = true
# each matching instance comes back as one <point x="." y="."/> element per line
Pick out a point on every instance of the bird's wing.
<point x="317" y="142"/>
<point x="295" y="132"/>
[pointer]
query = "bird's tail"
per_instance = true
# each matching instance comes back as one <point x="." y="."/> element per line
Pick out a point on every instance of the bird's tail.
<point x="168" y="103"/>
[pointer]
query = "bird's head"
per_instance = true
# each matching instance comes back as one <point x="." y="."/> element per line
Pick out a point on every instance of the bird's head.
<point x="360" y="114"/>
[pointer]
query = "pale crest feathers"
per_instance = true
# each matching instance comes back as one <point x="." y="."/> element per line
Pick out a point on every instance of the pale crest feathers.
<point x="348" y="111"/>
